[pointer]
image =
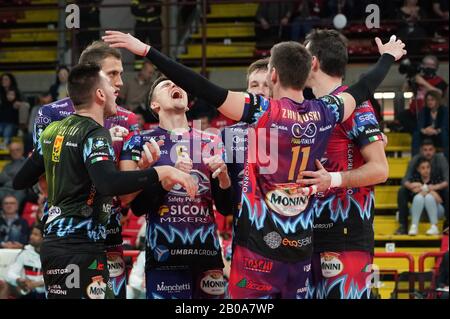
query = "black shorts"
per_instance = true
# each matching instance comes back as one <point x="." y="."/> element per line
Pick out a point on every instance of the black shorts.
<point x="76" y="276"/>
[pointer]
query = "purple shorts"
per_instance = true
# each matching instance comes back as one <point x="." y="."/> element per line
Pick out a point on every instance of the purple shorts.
<point x="256" y="277"/>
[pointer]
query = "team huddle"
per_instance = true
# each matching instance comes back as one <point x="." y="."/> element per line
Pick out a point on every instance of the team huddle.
<point x="295" y="174"/>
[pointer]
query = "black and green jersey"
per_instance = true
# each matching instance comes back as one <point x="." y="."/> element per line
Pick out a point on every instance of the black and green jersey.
<point x="76" y="213"/>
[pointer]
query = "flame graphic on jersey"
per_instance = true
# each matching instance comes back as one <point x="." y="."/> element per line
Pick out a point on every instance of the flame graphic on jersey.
<point x="185" y="236"/>
<point x="340" y="207"/>
<point x="253" y="214"/>
<point x="117" y="284"/>
<point x="65" y="227"/>
<point x="347" y="290"/>
<point x="305" y="220"/>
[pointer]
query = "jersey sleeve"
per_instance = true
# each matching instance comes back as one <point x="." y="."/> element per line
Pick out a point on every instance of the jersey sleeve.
<point x="362" y="126"/>
<point x="132" y="148"/>
<point x="333" y="110"/>
<point x="254" y="108"/>
<point x="97" y="147"/>
<point x="41" y="121"/>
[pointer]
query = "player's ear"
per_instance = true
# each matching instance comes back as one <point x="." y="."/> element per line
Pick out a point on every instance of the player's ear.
<point x="100" y="95"/>
<point x="154" y="106"/>
<point x="315" y="64"/>
<point x="274" y="75"/>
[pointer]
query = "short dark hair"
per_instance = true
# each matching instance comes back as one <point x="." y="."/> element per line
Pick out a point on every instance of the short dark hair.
<point x="292" y="62"/>
<point x="435" y="95"/>
<point x="427" y="141"/>
<point x="258" y="65"/>
<point x="97" y="51"/>
<point x="83" y="81"/>
<point x="420" y="161"/>
<point x="160" y="79"/>
<point x="40" y="226"/>
<point x="330" y="48"/>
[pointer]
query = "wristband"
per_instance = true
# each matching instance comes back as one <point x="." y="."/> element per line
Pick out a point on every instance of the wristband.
<point x="336" y="179"/>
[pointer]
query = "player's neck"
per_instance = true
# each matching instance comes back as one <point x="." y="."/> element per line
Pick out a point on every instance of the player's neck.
<point x="292" y="94"/>
<point x="325" y="84"/>
<point x="172" y="121"/>
<point x="94" y="113"/>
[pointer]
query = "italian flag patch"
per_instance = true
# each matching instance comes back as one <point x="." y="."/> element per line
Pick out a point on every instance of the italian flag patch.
<point x="100" y="158"/>
<point x="135" y="158"/>
<point x="375" y="138"/>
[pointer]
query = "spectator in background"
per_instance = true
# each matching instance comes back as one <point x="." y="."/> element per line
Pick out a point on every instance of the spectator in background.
<point x="272" y="22"/>
<point x="439" y="167"/>
<point x="25" y="274"/>
<point x="433" y="123"/>
<point x="10" y="170"/>
<point x="427" y="80"/>
<point x="340" y="6"/>
<point x="440" y="9"/>
<point x="411" y="31"/>
<point x="423" y="184"/>
<point x="58" y="90"/>
<point x="306" y="15"/>
<point x="148" y="21"/>
<point x="134" y="92"/>
<point x="12" y="108"/>
<point x="14" y="231"/>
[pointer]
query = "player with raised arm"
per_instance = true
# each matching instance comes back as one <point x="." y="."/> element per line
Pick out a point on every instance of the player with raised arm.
<point x="273" y="235"/>
<point x="343" y="224"/>
<point x="77" y="158"/>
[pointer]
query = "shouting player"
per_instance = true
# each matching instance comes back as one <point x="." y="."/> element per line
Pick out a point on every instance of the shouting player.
<point x="77" y="157"/>
<point x="273" y="234"/>
<point x="182" y="242"/>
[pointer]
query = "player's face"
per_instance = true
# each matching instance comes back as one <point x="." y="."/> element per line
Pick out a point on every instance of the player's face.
<point x="169" y="97"/>
<point x="109" y="95"/>
<point x="257" y="83"/>
<point x="113" y="69"/>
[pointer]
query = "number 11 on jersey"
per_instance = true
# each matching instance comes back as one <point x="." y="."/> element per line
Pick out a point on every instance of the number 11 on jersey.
<point x="295" y="156"/>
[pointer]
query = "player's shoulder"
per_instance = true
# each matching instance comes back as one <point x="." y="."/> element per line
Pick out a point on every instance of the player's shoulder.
<point x="65" y="104"/>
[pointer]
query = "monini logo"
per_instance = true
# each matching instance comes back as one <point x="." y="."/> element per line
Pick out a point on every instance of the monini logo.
<point x="287" y="201"/>
<point x="116" y="264"/>
<point x="96" y="289"/>
<point x="212" y="283"/>
<point x="331" y="264"/>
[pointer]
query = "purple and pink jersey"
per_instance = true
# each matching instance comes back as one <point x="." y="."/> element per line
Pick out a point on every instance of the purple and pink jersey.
<point x="181" y="232"/>
<point x="275" y="220"/>
<point x="344" y="216"/>
<point x="61" y="109"/>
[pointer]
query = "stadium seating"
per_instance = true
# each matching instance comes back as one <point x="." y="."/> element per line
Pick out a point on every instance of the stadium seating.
<point x="29" y="37"/>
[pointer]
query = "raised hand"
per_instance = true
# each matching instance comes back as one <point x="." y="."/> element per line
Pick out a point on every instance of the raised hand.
<point x="117" y="39"/>
<point x="150" y="154"/>
<point x="393" y="47"/>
